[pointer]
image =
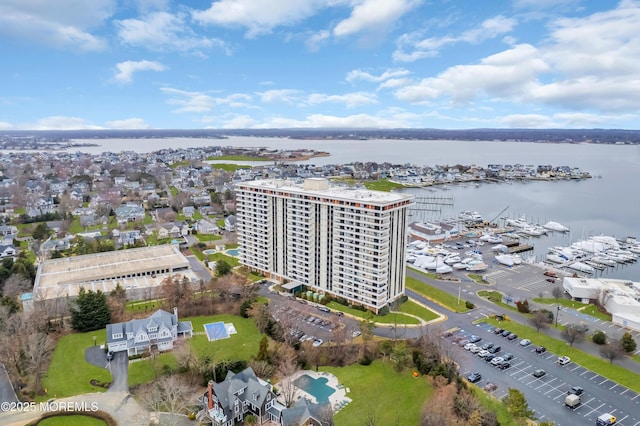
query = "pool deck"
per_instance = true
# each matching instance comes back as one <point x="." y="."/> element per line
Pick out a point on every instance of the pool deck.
<point x="338" y="399"/>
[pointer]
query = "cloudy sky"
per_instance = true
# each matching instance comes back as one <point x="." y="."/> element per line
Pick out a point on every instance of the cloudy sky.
<point x="135" y="64"/>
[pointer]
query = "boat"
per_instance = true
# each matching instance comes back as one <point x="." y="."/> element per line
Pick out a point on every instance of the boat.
<point x="555" y="226"/>
<point x="534" y="231"/>
<point x="603" y="261"/>
<point x="582" y="267"/>
<point x="505" y="259"/>
<point x="521" y="222"/>
<point x="500" y="248"/>
<point x="469" y="216"/>
<point x="444" y="269"/>
<point x="450" y="260"/>
<point x="554" y="258"/>
<point x="517" y="260"/>
<point x="477" y="267"/>
<point x="460" y="266"/>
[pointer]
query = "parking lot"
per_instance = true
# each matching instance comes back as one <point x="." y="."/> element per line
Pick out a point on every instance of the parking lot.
<point x="545" y="394"/>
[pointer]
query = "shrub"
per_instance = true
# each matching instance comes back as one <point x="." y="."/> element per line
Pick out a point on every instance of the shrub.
<point x="523" y="307"/>
<point x="628" y="343"/>
<point x="384" y="310"/>
<point x="599" y="338"/>
<point x="469" y="305"/>
<point x="365" y="360"/>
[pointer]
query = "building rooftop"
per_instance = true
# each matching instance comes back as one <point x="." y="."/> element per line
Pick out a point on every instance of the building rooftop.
<point x="324" y="188"/>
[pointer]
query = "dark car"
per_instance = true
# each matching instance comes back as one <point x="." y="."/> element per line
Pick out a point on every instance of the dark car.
<point x="474" y="377"/>
<point x="539" y="373"/>
<point x="494" y="349"/>
<point x="498" y="330"/>
<point x="512" y="337"/>
<point x="474" y="339"/>
<point x="323" y="309"/>
<point x="506" y="333"/>
<point x="109" y="356"/>
<point x="551" y="280"/>
<point x="575" y="390"/>
<point x="487" y="346"/>
<point x="508" y="356"/>
<point x="489" y="357"/>
<point x="541" y="350"/>
<point x="504" y="365"/>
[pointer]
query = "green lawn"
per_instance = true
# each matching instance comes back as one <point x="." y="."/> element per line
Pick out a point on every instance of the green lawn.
<point x="241" y="346"/>
<point x="584" y="308"/>
<point x="75" y="420"/>
<point x="238" y="158"/>
<point x="411" y="307"/>
<point x="69" y="374"/>
<point x="560" y="347"/>
<point x="436" y="295"/>
<point x="229" y="259"/>
<point x="147" y="370"/>
<point x="398" y="398"/>
<point x="496" y="297"/>
<point x="205" y="238"/>
<point x="229" y="167"/>
<point x="391" y="318"/>
<point x="382" y="185"/>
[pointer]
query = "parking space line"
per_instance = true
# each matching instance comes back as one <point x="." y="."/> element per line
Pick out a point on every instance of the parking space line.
<point x="559" y="395"/>
<point x="577" y="366"/>
<point x="623" y="418"/>
<point x="597" y="408"/>
<point x="603" y="381"/>
<point x="613" y="386"/>
<point x="635" y="396"/>
<point x="624" y="391"/>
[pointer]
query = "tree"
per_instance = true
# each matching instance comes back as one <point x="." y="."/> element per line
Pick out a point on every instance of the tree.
<point x="263" y="352"/>
<point x="41" y="232"/>
<point x="540" y="319"/>
<point x="627" y="342"/>
<point x="223" y="268"/>
<point x="168" y="394"/>
<point x="517" y="404"/>
<point x="557" y="293"/>
<point x="599" y="337"/>
<point x="117" y="303"/>
<point x="90" y="311"/>
<point x="399" y="356"/>
<point x="15" y="285"/>
<point x="573" y="334"/>
<point x="611" y="351"/>
<point x="287" y="369"/>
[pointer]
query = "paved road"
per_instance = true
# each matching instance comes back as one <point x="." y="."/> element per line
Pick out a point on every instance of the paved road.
<point x="118" y="366"/>
<point x="7" y="394"/>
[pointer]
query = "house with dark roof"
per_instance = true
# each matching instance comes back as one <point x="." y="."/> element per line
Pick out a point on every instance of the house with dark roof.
<point x="159" y="331"/>
<point x="241" y="394"/>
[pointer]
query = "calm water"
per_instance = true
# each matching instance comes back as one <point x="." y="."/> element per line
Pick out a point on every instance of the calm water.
<point x="608" y="204"/>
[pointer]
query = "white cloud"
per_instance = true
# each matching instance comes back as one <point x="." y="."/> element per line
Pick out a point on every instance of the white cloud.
<point x="62" y="24"/>
<point x="257" y="16"/>
<point x="5" y="125"/>
<point x="128" y="68"/>
<point x="161" y="31"/>
<point x="358" y="74"/>
<point x="62" y="123"/>
<point x="128" y="124"/>
<point x="281" y="95"/>
<point x="350" y="99"/>
<point x="506" y="75"/>
<point x="528" y="121"/>
<point x="373" y="15"/>
<point x="429" y="47"/>
<point x="316" y="40"/>
<point x="318" y="121"/>
<point x="189" y="101"/>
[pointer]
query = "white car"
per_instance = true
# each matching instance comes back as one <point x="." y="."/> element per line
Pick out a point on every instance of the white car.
<point x="474" y="350"/>
<point x="497" y="360"/>
<point x="483" y="353"/>
<point x="564" y="360"/>
<point x="468" y="346"/>
<point x="525" y="342"/>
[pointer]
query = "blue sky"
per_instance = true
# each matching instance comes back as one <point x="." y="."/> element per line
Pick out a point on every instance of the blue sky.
<point x="136" y="64"/>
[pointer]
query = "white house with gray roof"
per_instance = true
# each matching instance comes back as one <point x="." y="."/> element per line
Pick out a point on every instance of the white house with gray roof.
<point x="159" y="331"/>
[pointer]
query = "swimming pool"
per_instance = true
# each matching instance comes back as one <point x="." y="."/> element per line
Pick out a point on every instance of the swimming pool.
<point x="208" y="251"/>
<point x="233" y="252"/>
<point x="315" y="387"/>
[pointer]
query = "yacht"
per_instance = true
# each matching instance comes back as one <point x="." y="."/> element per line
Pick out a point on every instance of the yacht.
<point x="477" y="267"/>
<point x="554" y="258"/>
<point x="469" y="216"/>
<point x="505" y="259"/>
<point x="582" y="267"/>
<point x="555" y="226"/>
<point x="603" y="261"/>
<point x="534" y="231"/>
<point x="521" y="222"/>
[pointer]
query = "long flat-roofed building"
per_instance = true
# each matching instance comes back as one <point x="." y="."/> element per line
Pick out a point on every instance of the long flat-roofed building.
<point x="138" y="268"/>
<point x="348" y="242"/>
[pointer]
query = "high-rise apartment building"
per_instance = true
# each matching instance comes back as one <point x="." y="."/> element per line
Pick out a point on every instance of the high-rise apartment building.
<point x="348" y="242"/>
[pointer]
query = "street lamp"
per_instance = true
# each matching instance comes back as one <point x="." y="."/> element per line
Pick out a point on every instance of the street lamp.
<point x="557" y="314"/>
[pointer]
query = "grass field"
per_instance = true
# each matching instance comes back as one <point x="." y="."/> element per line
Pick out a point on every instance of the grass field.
<point x="69" y="373"/>
<point x="591" y="310"/>
<point x="438" y="296"/>
<point x="410" y="307"/>
<point x="241" y="346"/>
<point x="397" y="399"/>
<point x="391" y="318"/>
<point x="145" y="371"/>
<point x="238" y="158"/>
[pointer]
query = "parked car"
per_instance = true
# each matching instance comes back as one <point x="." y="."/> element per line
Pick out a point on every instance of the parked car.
<point x="489" y="357"/>
<point x="563" y="360"/>
<point x="550" y="274"/>
<point x="474" y="377"/>
<point x="495" y="349"/>
<point x="551" y="280"/>
<point x="317" y="342"/>
<point x="463" y="342"/>
<point x="512" y="337"/>
<point x="575" y="390"/>
<point x="525" y="342"/>
<point x="487" y="346"/>
<point x="497" y="360"/>
<point x="541" y="350"/>
<point x="474" y="339"/>
<point x="490" y="387"/>
<point x="355" y="333"/>
<point x="468" y="346"/>
<point x="539" y="373"/>
<point x="483" y="353"/>
<point x="508" y="356"/>
<point x="506" y="333"/>
<point x="498" y="330"/>
<point x="504" y="365"/>
<point x="324" y="309"/>
<point x="474" y="350"/>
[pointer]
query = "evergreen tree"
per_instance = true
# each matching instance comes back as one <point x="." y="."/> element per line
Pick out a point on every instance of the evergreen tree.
<point x="263" y="352"/>
<point x="628" y="343"/>
<point x="91" y="311"/>
<point x="517" y="404"/>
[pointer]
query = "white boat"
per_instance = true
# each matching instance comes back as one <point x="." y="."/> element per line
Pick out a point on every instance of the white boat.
<point x="460" y="266"/>
<point x="603" y="261"/>
<point x="444" y="269"/>
<point x="555" y="258"/>
<point x="582" y="267"/>
<point x="477" y="267"/>
<point x="555" y="226"/>
<point x="517" y="260"/>
<point x="534" y="231"/>
<point x="521" y="222"/>
<point x="505" y="259"/>
<point x="469" y="216"/>
<point x="450" y="260"/>
<point x="590" y="246"/>
<point x="500" y="248"/>
<point x="608" y="241"/>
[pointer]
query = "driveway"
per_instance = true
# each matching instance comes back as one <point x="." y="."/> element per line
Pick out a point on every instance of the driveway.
<point x="119" y="367"/>
<point x="7" y="394"/>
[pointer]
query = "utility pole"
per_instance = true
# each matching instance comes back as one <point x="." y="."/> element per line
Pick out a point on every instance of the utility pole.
<point x="557" y="315"/>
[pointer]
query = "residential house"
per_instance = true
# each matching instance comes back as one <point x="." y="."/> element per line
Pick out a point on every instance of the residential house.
<point x="228" y="402"/>
<point x="8" y="230"/>
<point x="130" y="212"/>
<point x="230" y="223"/>
<point x="304" y="413"/>
<point x="188" y="211"/>
<point x="159" y="331"/>
<point x="8" y="250"/>
<point x="204" y="226"/>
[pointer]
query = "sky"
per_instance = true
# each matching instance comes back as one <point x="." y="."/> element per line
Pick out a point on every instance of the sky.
<point x="241" y="64"/>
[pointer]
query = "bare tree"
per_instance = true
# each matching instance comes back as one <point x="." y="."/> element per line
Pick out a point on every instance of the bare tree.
<point x="15" y="285"/>
<point x="573" y="334"/>
<point x="611" y="351"/>
<point x="287" y="369"/>
<point x="169" y="394"/>
<point x="601" y="297"/>
<point x="557" y="293"/>
<point x="540" y="319"/>
<point x="38" y="349"/>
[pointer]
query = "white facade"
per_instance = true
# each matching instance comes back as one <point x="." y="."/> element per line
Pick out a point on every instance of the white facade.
<point x="350" y="243"/>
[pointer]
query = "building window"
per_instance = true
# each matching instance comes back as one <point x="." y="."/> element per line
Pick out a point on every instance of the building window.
<point x="117" y="335"/>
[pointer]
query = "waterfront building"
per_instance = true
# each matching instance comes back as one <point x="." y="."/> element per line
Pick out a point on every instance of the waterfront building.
<point x="345" y="241"/>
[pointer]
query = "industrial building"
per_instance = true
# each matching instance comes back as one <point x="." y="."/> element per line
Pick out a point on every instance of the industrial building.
<point x="345" y="241"/>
